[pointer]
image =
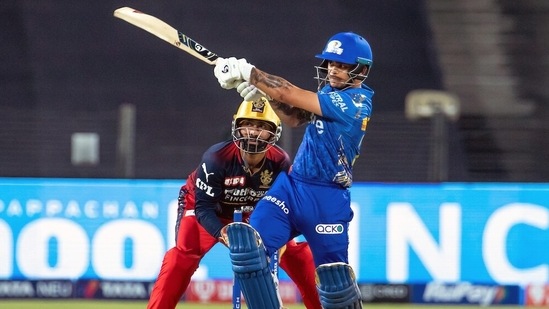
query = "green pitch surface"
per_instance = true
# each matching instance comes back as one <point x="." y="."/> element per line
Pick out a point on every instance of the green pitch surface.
<point x="90" y="304"/>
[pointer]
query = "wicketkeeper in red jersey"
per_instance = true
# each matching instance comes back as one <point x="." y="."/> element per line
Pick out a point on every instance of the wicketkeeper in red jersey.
<point x="232" y="174"/>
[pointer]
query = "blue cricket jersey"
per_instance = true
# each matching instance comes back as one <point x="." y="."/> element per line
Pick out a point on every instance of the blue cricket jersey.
<point x="313" y="199"/>
<point x="332" y="141"/>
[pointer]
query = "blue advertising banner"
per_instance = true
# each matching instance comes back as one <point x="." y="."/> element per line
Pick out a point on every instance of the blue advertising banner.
<point x="112" y="229"/>
<point x="484" y="233"/>
<point x="78" y="228"/>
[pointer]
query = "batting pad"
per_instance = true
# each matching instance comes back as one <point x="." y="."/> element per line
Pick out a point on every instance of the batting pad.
<point x="336" y="284"/>
<point x="251" y="267"/>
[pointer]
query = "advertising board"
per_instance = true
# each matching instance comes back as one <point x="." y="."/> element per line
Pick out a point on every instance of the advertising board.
<point x="112" y="229"/>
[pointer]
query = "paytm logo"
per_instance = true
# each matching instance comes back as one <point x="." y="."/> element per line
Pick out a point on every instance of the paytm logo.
<point x="329" y="228"/>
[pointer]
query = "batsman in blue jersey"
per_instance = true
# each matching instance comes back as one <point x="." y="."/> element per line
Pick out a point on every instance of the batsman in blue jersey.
<point x="313" y="199"/>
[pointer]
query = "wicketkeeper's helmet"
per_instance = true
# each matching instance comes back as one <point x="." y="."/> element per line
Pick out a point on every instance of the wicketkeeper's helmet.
<point x="256" y="110"/>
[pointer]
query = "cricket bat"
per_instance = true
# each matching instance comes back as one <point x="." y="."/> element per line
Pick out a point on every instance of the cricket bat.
<point x="164" y="31"/>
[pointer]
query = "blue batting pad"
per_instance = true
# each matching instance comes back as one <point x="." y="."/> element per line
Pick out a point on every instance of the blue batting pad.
<point x="251" y="267"/>
<point x="337" y="287"/>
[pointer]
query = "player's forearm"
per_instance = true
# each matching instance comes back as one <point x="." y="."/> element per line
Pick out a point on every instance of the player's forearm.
<point x="283" y="91"/>
<point x="289" y="115"/>
<point x="209" y="220"/>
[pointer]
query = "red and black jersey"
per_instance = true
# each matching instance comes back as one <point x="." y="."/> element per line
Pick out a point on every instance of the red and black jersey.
<point x="222" y="183"/>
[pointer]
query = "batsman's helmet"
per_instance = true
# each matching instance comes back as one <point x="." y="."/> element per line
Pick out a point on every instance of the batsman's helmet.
<point x="349" y="48"/>
<point x="256" y="110"/>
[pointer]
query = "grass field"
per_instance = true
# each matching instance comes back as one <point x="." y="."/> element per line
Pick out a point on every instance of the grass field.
<point x="89" y="304"/>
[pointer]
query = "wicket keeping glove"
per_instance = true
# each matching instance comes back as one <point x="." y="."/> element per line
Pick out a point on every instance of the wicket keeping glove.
<point x="250" y="92"/>
<point x="224" y="238"/>
<point x="230" y="72"/>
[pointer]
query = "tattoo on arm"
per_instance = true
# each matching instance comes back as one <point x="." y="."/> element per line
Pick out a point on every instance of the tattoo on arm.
<point x="301" y="115"/>
<point x="284" y="108"/>
<point x="275" y="82"/>
<point x="270" y="80"/>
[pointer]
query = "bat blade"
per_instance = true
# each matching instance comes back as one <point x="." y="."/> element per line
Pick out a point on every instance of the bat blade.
<point x="164" y="31"/>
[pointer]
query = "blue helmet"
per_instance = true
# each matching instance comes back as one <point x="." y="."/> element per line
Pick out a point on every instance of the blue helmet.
<point x="349" y="48"/>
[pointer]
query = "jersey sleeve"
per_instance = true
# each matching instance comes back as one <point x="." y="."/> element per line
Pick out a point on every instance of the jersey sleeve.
<point x="208" y="188"/>
<point x="345" y="106"/>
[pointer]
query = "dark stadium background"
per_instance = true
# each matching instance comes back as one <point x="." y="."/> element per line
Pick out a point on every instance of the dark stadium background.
<point x="67" y="66"/>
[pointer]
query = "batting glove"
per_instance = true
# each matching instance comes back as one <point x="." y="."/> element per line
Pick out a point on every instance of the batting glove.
<point x="231" y="71"/>
<point x="250" y="92"/>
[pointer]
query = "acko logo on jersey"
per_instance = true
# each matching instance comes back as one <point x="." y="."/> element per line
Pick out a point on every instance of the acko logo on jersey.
<point x="329" y="228"/>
